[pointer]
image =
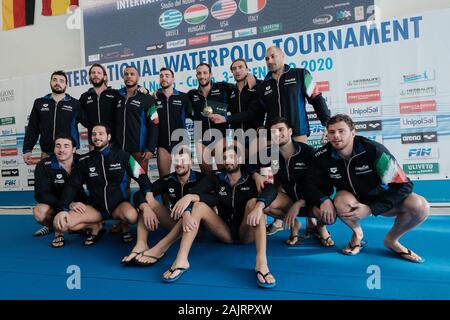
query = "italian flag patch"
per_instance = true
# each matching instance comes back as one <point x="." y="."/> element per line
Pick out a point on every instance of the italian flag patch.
<point x="389" y="170"/>
<point x="135" y="168"/>
<point x="153" y="114"/>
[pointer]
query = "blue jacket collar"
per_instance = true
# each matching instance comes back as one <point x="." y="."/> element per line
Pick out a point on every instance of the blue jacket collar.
<point x="357" y="149"/>
<point x="66" y="97"/>
<point x="269" y="75"/>
<point x="192" y="176"/>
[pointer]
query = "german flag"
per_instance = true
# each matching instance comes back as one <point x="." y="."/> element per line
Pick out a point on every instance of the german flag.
<point x="57" y="7"/>
<point x="17" y="13"/>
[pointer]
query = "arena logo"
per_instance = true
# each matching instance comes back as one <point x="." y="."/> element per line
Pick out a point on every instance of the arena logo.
<point x="368" y="125"/>
<point x="364" y="82"/>
<point x="418" y="122"/>
<point x="367" y="96"/>
<point x="10" y="173"/>
<point x="30" y="182"/>
<point x="6" y="96"/>
<point x="365" y="111"/>
<point x="418" y="106"/>
<point x="419" y="137"/>
<point x="421" y="168"/>
<point x="418" y="92"/>
<point x="312" y="116"/>
<point x="423" y="153"/>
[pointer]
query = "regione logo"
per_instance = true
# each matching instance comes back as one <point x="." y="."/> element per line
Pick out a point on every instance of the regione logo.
<point x="418" y="122"/>
<point x="423" y="153"/>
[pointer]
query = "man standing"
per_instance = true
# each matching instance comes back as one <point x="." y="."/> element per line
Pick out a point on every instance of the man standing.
<point x="98" y="104"/>
<point x="54" y="114"/>
<point x="173" y="107"/>
<point x="368" y="181"/>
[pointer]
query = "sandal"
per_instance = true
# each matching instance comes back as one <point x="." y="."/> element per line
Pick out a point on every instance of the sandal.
<point x="58" y="241"/>
<point x="93" y="238"/>
<point x="408" y="256"/>
<point x="127" y="237"/>
<point x="142" y="254"/>
<point x="264" y="285"/>
<point x="325" y="242"/>
<point x="293" y="240"/>
<point x="351" y="246"/>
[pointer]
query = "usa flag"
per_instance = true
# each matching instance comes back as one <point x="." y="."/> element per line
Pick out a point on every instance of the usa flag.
<point x="223" y="9"/>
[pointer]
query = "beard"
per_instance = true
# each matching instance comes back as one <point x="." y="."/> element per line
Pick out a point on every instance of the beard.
<point x="204" y="85"/>
<point x="232" y="169"/>
<point x="97" y="83"/>
<point x="58" y="91"/>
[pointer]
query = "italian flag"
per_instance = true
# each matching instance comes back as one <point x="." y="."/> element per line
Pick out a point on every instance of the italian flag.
<point x="389" y="170"/>
<point x="153" y="114"/>
<point x="251" y="6"/>
<point x="196" y="14"/>
<point x="310" y="85"/>
<point x="135" y="167"/>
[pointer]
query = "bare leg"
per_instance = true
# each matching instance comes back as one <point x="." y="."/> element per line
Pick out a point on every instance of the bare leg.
<point x="164" y="161"/>
<point x="409" y="214"/>
<point x="43" y="214"/>
<point x="200" y="212"/>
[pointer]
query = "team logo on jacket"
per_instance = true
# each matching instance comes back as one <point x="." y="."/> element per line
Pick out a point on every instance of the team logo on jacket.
<point x="222" y="191"/>
<point x="334" y="174"/>
<point x="333" y="170"/>
<point x="59" y="176"/>
<point x="245" y="188"/>
<point x="92" y="172"/>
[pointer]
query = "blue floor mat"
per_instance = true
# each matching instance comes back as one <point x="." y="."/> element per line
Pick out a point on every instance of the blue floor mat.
<point x="31" y="269"/>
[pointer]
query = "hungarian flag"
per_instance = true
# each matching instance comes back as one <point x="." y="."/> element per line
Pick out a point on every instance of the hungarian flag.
<point x="17" y="13"/>
<point x="57" y="7"/>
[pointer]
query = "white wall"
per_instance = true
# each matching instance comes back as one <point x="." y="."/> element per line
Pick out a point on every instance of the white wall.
<point x="40" y="48"/>
<point x="49" y="45"/>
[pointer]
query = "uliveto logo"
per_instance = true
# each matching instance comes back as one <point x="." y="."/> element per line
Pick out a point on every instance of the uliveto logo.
<point x="418" y="122"/>
<point x="421" y="168"/>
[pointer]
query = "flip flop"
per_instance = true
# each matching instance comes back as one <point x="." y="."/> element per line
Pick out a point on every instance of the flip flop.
<point x="94" y="238"/>
<point x="127" y="237"/>
<point x="404" y="255"/>
<point x="170" y="280"/>
<point x="264" y="285"/>
<point x="148" y="256"/>
<point x="297" y="238"/>
<point x="325" y="242"/>
<point x="57" y="239"/>
<point x="132" y="260"/>
<point x="361" y="245"/>
<point x="271" y="229"/>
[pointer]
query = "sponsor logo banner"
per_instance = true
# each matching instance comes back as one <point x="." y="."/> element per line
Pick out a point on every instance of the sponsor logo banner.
<point x="365" y="111"/>
<point x="8" y="132"/>
<point x="7" y="121"/>
<point x="364" y="82"/>
<point x="198" y="40"/>
<point x="421" y="168"/>
<point x="421" y="76"/>
<point x="176" y="44"/>
<point x="418" y="122"/>
<point x="245" y="32"/>
<point x="418" y="92"/>
<point x="366" y="96"/>
<point x="375" y="137"/>
<point x="10" y="173"/>
<point x="418" y="106"/>
<point x="315" y="143"/>
<point x="422" y="153"/>
<point x="11" y="183"/>
<point x="8" y="142"/>
<point x="154" y="47"/>
<point x="323" y="86"/>
<point x="12" y="162"/>
<point x="84" y="135"/>
<point x="419" y="137"/>
<point x="30" y="182"/>
<point x="312" y="116"/>
<point x="368" y="125"/>
<point x="221" y="36"/>
<point x="323" y="19"/>
<point x="271" y="28"/>
<point x="8" y="152"/>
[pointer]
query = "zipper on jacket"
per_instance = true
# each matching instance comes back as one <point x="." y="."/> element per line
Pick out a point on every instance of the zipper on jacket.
<point x="124" y="122"/>
<point x="98" y="108"/>
<point x="54" y="120"/>
<point x="106" y="183"/>
<point x="168" y="122"/>
<point x="348" y="170"/>
<point x="232" y="196"/>
<point x="240" y="109"/>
